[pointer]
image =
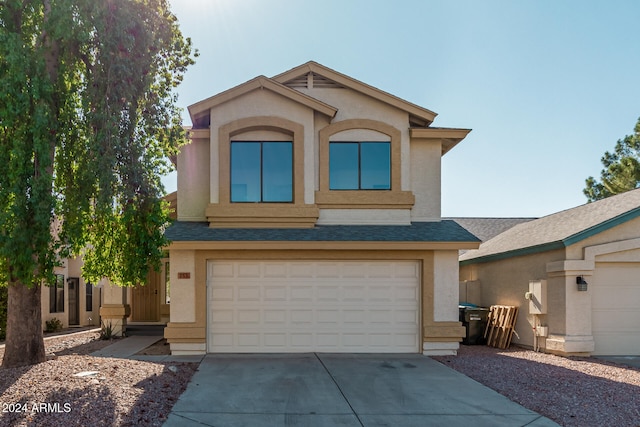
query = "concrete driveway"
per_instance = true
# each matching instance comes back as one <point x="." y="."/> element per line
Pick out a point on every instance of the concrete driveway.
<point x="340" y="390"/>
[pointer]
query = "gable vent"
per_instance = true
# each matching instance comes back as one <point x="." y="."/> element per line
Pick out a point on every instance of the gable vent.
<point x="298" y="82"/>
<point x="311" y="80"/>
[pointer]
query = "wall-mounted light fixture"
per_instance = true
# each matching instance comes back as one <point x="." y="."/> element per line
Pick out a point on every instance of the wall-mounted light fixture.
<point x="582" y="284"/>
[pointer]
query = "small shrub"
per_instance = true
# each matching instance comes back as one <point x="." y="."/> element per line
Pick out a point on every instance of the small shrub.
<point x="106" y="331"/>
<point x="53" y="325"/>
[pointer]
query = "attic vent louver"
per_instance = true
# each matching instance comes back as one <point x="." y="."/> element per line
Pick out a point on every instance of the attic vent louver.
<point x="298" y="82"/>
<point x="311" y="80"/>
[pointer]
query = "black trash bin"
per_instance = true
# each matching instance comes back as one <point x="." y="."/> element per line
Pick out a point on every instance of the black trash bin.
<point x="474" y="320"/>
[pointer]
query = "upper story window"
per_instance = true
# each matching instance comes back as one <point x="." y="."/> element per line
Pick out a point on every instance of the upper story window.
<point x="359" y="165"/>
<point x="262" y="171"/>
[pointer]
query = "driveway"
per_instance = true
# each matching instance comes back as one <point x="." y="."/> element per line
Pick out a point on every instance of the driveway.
<point x="340" y="390"/>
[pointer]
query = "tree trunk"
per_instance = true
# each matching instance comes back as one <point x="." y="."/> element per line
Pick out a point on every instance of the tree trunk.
<point x="24" y="343"/>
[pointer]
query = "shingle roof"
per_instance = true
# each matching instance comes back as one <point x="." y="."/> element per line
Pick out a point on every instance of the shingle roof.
<point x="487" y="228"/>
<point x="442" y="231"/>
<point x="560" y="229"/>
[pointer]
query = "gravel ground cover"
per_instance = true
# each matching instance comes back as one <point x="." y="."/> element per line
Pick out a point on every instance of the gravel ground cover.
<point x="122" y="392"/>
<point x="108" y="391"/>
<point x="571" y="391"/>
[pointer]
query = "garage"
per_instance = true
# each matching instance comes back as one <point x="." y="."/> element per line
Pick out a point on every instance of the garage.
<point x="616" y="308"/>
<point x="313" y="306"/>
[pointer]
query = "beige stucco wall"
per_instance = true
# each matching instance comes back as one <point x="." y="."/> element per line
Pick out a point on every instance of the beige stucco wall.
<point x="193" y="180"/>
<point x="259" y="104"/>
<point x="354" y="105"/>
<point x="505" y="282"/>
<point x="445" y="286"/>
<point x="364" y="216"/>
<point x="183" y="295"/>
<point x="625" y="231"/>
<point x="425" y="180"/>
<point x="199" y="182"/>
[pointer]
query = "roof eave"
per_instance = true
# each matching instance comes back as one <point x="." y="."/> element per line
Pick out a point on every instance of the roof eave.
<point x="359" y="86"/>
<point x="200" y="109"/>
<point x="558" y="244"/>
<point x="514" y="253"/>
<point x="448" y="137"/>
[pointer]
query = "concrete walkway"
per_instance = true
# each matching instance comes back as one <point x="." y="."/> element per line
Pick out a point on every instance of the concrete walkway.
<point x="340" y="390"/>
<point x="126" y="348"/>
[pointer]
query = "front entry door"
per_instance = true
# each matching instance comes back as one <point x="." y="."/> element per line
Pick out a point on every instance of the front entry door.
<point x="145" y="300"/>
<point x="74" y="300"/>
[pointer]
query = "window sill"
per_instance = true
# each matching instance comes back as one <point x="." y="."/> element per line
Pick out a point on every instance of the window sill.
<point x="365" y="199"/>
<point x="261" y="215"/>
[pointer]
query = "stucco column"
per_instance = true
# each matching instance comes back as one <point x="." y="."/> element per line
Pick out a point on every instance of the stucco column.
<point x="573" y="334"/>
<point x="185" y="331"/>
<point x="114" y="309"/>
<point x="442" y="332"/>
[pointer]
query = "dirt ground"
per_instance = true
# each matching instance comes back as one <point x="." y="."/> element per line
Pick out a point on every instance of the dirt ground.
<point x="160" y="348"/>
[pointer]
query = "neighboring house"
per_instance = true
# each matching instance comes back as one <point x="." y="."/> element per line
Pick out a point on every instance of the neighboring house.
<point x="70" y="299"/>
<point x="145" y="304"/>
<point x="309" y="220"/>
<point x="597" y="243"/>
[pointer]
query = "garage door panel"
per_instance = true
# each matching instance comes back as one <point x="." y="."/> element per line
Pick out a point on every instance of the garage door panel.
<point x="616" y="321"/>
<point x="618" y="296"/>
<point x="277" y="318"/>
<point x="221" y="294"/>
<point x="273" y="293"/>
<point x="275" y="270"/>
<point x="615" y="290"/>
<point x="249" y="270"/>
<point x="353" y="313"/>
<point x="302" y="270"/>
<point x="275" y="340"/>
<point x="221" y="269"/>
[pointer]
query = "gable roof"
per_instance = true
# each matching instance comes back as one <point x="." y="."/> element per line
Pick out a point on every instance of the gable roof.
<point x="200" y="110"/>
<point x="487" y="228"/>
<point x="294" y="74"/>
<point x="558" y="230"/>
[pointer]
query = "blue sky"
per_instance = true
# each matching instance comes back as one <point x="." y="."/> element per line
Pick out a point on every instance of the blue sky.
<point x="547" y="86"/>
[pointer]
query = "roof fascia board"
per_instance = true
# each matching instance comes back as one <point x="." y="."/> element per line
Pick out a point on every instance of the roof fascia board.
<point x="449" y="137"/>
<point x="358" y="86"/>
<point x="603" y="226"/>
<point x="514" y="253"/>
<point x="573" y="239"/>
<point x="320" y="245"/>
<point x="261" y="82"/>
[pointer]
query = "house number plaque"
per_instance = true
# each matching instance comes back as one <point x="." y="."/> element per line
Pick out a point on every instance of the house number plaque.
<point x="184" y="275"/>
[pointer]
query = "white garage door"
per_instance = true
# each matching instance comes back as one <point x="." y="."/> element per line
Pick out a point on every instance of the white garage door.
<point x="616" y="309"/>
<point x="323" y="306"/>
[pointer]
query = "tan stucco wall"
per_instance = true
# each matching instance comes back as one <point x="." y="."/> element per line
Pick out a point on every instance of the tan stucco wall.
<point x="365" y="216"/>
<point x="419" y="163"/>
<point x="261" y="104"/>
<point x="625" y="231"/>
<point x="193" y="180"/>
<point x="505" y="282"/>
<point x="354" y="105"/>
<point x="183" y="293"/>
<point x="425" y="180"/>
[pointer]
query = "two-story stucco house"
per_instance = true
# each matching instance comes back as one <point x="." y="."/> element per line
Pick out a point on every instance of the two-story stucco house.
<point x="309" y="220"/>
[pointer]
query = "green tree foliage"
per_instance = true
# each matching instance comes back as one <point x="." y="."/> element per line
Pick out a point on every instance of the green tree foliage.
<point x="87" y="122"/>
<point x="621" y="169"/>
